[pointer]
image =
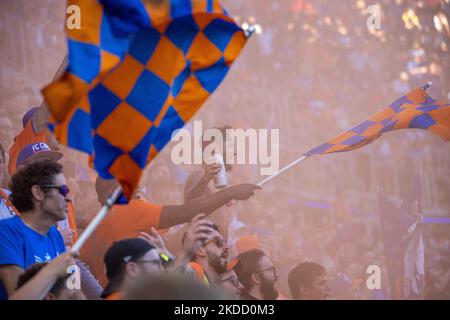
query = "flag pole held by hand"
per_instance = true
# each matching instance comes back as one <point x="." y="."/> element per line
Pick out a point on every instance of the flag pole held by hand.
<point x="96" y="221"/>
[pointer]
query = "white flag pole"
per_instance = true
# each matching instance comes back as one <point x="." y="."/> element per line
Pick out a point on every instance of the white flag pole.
<point x="293" y="163"/>
<point x="96" y="221"/>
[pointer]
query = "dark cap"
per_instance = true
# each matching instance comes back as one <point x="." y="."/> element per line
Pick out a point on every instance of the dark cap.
<point x="118" y="255"/>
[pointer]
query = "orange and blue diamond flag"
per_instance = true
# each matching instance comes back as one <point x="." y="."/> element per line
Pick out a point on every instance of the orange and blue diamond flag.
<point x="137" y="71"/>
<point x="415" y="110"/>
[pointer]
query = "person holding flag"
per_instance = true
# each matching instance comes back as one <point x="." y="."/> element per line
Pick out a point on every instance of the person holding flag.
<point x="136" y="72"/>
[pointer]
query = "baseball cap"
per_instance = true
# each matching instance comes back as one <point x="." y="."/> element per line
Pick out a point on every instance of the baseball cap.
<point x="28" y="115"/>
<point x="118" y="255"/>
<point x="37" y="150"/>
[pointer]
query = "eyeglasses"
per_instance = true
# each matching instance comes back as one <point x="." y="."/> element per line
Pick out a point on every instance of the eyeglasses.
<point x="164" y="261"/>
<point x="63" y="190"/>
<point x="218" y="241"/>
<point x="233" y="279"/>
<point x="268" y="269"/>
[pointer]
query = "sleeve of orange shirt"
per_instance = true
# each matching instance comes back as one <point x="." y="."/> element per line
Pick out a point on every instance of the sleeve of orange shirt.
<point x="25" y="137"/>
<point x="142" y="215"/>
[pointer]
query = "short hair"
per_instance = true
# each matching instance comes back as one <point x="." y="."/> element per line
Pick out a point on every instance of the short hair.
<point x="104" y="187"/>
<point x="247" y="264"/>
<point x="214" y="226"/>
<point x="39" y="173"/>
<point x="302" y="276"/>
<point x="33" y="270"/>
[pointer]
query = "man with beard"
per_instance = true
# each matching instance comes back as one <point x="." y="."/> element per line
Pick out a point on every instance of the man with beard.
<point x="210" y="259"/>
<point x="258" y="276"/>
<point x="308" y="281"/>
<point x="40" y="193"/>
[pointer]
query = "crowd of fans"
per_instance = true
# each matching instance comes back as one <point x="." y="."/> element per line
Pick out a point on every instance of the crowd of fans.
<point x="314" y="69"/>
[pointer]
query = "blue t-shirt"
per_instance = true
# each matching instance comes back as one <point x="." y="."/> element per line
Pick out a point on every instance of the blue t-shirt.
<point x="22" y="246"/>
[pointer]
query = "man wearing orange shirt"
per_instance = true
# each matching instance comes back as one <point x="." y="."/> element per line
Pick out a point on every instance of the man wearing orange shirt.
<point x="128" y="221"/>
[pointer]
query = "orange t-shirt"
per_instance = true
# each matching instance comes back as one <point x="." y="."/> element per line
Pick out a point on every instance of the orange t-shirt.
<point x="25" y="137"/>
<point x="122" y="222"/>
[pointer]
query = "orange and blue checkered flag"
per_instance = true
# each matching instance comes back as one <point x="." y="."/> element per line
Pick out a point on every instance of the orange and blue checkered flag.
<point x="137" y="71"/>
<point x="415" y="110"/>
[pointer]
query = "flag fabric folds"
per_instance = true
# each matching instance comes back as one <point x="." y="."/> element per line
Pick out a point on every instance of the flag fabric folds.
<point x="137" y="71"/>
<point x="415" y="110"/>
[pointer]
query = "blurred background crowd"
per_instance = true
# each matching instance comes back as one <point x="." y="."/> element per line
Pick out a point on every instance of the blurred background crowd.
<point x="312" y="70"/>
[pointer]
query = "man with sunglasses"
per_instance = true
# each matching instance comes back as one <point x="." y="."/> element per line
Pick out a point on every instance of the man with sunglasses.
<point x="40" y="194"/>
<point x="130" y="261"/>
<point x="41" y="151"/>
<point x="258" y="275"/>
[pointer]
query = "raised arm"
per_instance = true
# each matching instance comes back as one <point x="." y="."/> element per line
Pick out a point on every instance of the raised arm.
<point x="175" y="214"/>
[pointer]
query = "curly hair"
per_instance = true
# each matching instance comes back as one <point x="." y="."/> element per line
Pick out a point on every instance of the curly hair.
<point x="40" y="173"/>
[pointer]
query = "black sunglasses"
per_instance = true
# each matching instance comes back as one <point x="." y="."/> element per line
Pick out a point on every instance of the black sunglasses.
<point x="63" y="190"/>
